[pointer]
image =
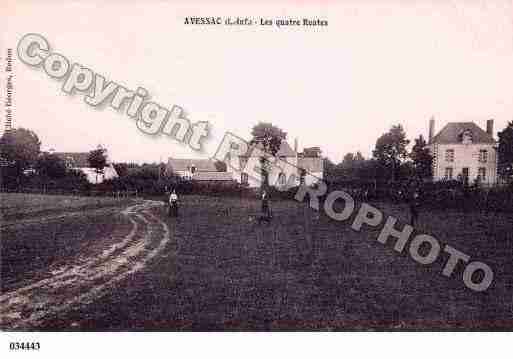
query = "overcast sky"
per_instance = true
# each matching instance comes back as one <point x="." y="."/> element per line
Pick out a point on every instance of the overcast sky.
<point x="376" y="64"/>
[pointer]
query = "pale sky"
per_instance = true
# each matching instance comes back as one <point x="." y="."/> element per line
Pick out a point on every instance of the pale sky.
<point x="376" y="64"/>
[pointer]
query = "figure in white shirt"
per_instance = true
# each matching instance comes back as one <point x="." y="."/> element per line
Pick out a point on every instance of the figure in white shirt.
<point x="266" y="208"/>
<point x="173" y="204"/>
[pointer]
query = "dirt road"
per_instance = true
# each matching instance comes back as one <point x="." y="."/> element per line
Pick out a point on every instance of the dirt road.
<point x="85" y="277"/>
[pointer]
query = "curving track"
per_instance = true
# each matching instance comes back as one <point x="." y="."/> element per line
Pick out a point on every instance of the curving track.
<point x="86" y="279"/>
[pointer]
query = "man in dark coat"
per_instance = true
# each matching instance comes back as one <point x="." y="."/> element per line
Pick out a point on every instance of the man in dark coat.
<point x="173" y="204"/>
<point x="414" y="206"/>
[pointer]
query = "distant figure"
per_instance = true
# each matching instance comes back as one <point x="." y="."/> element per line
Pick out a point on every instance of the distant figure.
<point x="414" y="207"/>
<point x="173" y="204"/>
<point x="266" y="210"/>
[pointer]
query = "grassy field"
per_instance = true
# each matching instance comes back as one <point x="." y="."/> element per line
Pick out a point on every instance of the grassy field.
<point x="38" y="231"/>
<point x="224" y="271"/>
<point x="16" y="205"/>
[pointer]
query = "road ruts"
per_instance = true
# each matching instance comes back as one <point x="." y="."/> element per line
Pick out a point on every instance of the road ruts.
<point x="80" y="283"/>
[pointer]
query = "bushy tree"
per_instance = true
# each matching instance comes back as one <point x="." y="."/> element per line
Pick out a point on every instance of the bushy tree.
<point x="368" y="170"/>
<point x="390" y="150"/>
<point x="50" y="166"/>
<point x="74" y="180"/>
<point x="269" y="138"/>
<point x="352" y="160"/>
<point x="505" y="152"/>
<point x="121" y="169"/>
<point x="353" y="168"/>
<point x="98" y="160"/>
<point x="220" y="166"/>
<point x="422" y="159"/>
<point x="347" y="161"/>
<point x="19" y="149"/>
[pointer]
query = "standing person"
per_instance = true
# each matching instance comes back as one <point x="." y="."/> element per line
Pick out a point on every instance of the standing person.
<point x="265" y="205"/>
<point x="173" y="204"/>
<point x="414" y="206"/>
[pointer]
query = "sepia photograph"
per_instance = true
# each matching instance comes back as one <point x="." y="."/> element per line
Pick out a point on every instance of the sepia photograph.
<point x="219" y="167"/>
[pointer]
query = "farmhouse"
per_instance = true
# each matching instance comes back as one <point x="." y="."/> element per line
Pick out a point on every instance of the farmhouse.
<point x="197" y="170"/>
<point x="306" y="166"/>
<point x="78" y="161"/>
<point x="463" y="150"/>
<point x="292" y="168"/>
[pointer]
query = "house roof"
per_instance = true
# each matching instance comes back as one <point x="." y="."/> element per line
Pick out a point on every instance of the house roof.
<point x="451" y="133"/>
<point x="310" y="164"/>
<point x="74" y="159"/>
<point x="184" y="164"/>
<point x="284" y="151"/>
<point x="212" y="176"/>
<point x="311" y="152"/>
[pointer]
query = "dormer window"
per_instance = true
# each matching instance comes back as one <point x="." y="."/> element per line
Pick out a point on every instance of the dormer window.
<point x="466" y="137"/>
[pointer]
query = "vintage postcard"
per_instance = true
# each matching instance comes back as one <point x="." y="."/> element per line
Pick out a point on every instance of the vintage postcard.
<point x="256" y="166"/>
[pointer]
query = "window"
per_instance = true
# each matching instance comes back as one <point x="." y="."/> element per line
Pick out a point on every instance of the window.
<point x="449" y="156"/>
<point x="282" y="179"/>
<point x="244" y="178"/>
<point x="302" y="175"/>
<point x="464" y="172"/>
<point x="481" y="173"/>
<point x="483" y="156"/>
<point x="448" y="173"/>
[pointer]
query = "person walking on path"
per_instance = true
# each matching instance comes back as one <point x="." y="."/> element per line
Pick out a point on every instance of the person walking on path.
<point x="173" y="204"/>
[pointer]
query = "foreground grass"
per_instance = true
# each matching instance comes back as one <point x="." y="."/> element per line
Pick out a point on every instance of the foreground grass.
<point x="224" y="271"/>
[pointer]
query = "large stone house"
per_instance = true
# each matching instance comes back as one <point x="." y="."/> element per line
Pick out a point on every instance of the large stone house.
<point x="78" y="161"/>
<point x="463" y="150"/>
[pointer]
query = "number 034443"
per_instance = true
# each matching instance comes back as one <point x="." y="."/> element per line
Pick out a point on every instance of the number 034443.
<point x="24" y="345"/>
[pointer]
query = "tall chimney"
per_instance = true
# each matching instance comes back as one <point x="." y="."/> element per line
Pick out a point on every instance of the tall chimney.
<point x="431" y="129"/>
<point x="489" y="127"/>
<point x="296" y="154"/>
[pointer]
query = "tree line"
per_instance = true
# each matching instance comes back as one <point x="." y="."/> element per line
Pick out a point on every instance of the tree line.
<point x="23" y="162"/>
<point x="391" y="160"/>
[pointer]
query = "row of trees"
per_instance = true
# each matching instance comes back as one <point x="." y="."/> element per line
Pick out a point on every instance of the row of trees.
<point x="391" y="160"/>
<point x="20" y="151"/>
<point x="23" y="163"/>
